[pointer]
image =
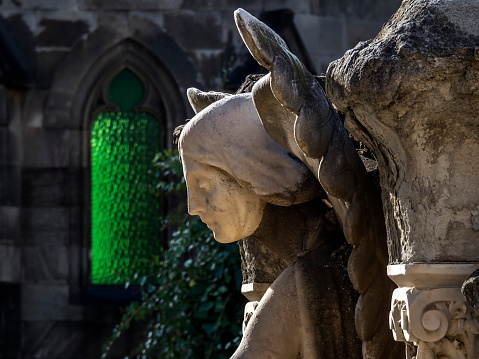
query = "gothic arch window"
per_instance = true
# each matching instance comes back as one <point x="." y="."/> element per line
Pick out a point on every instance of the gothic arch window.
<point x="125" y="208"/>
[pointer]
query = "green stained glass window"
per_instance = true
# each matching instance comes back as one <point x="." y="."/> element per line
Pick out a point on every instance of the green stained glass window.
<point x="124" y="207"/>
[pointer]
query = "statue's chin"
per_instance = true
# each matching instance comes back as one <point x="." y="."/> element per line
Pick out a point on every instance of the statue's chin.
<point x="230" y="235"/>
<point x="225" y="239"/>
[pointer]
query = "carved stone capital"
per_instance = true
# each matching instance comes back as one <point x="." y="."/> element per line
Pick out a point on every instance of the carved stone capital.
<point x="254" y="291"/>
<point x="434" y="317"/>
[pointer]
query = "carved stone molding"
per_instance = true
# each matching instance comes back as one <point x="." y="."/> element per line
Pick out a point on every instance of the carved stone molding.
<point x="254" y="291"/>
<point x="429" y="310"/>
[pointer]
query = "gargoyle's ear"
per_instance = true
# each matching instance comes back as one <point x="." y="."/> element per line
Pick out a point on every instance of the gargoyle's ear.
<point x="200" y="100"/>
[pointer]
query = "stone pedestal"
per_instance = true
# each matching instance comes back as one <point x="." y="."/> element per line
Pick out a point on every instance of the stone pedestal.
<point x="412" y="95"/>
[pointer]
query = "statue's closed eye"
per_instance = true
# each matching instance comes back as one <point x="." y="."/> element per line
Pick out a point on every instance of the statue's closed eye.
<point x="204" y="184"/>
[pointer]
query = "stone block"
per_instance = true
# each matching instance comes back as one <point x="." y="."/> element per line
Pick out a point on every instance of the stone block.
<point x="365" y="9"/>
<point x="78" y="154"/>
<point x="42" y="264"/>
<point x="44" y="187"/>
<point x="34" y="108"/>
<point x="3" y="145"/>
<point x="178" y="62"/>
<point x="309" y="29"/>
<point x="46" y="4"/>
<point x="204" y="4"/>
<point x="321" y="63"/>
<point x="322" y="35"/>
<point x="18" y="37"/>
<point x="60" y="33"/>
<point x="59" y="103"/>
<point x="130" y="4"/>
<point x="193" y="30"/>
<point x="258" y="263"/>
<point x="298" y="7"/>
<point x="55" y="339"/>
<point x="78" y="264"/>
<point x="111" y="28"/>
<point x="209" y="63"/>
<point x="9" y="225"/>
<point x="47" y="62"/>
<point x="46" y="147"/>
<point x="360" y="30"/>
<point x="45" y="226"/>
<point x="3" y="107"/>
<point x="9" y="146"/>
<point x="47" y="302"/>
<point x="76" y="187"/>
<point x="9" y="185"/>
<point x="10" y="333"/>
<point x="252" y="6"/>
<point x="10" y="269"/>
<point x="76" y="226"/>
<point x="427" y="156"/>
<point x="383" y="10"/>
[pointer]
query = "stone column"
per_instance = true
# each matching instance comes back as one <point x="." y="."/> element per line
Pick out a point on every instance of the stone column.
<point x="412" y="95"/>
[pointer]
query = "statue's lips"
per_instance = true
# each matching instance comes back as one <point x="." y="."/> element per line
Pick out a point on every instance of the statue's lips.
<point x="207" y="220"/>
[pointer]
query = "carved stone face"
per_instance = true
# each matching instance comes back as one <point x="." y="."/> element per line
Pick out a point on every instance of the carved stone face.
<point x="230" y="210"/>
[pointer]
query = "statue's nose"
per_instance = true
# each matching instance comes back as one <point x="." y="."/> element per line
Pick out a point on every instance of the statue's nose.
<point x="196" y="204"/>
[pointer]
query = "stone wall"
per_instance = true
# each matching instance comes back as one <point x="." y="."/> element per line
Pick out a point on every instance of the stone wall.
<point x="54" y="56"/>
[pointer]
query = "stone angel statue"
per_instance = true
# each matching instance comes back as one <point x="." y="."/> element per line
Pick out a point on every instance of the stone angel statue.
<point x="296" y="113"/>
<point x="243" y="184"/>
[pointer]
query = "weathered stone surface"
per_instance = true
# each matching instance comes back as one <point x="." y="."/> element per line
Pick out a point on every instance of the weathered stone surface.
<point x="130" y="4"/>
<point x="271" y="197"/>
<point x="202" y="4"/>
<point x="45" y="264"/>
<point x="10" y="185"/>
<point x="411" y="94"/>
<point x="54" y="339"/>
<point x="250" y="4"/>
<point x="60" y="33"/>
<point x="41" y="4"/>
<point x="296" y="113"/>
<point x="46" y="147"/>
<point x="185" y="23"/>
<point x="3" y="106"/>
<point x="367" y="9"/>
<point x="112" y="28"/>
<point x="210" y="62"/>
<point x="9" y="147"/>
<point x="45" y="226"/>
<point x="18" y="49"/>
<point x="360" y="30"/>
<point x="77" y="254"/>
<point x="9" y="224"/>
<point x="10" y="265"/>
<point x="42" y="302"/>
<point x="77" y="226"/>
<point x="78" y="155"/>
<point x="258" y="263"/>
<point x="76" y="189"/>
<point x="3" y="146"/>
<point x="44" y="187"/>
<point x="10" y="331"/>
<point x="322" y="35"/>
<point x="299" y="7"/>
<point x="34" y="107"/>
<point x="47" y="62"/>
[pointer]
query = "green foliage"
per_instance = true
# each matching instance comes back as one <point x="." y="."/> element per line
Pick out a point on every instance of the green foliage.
<point x="191" y="299"/>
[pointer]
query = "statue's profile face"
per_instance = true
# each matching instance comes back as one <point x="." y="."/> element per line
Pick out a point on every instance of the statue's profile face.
<point x="230" y="210"/>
